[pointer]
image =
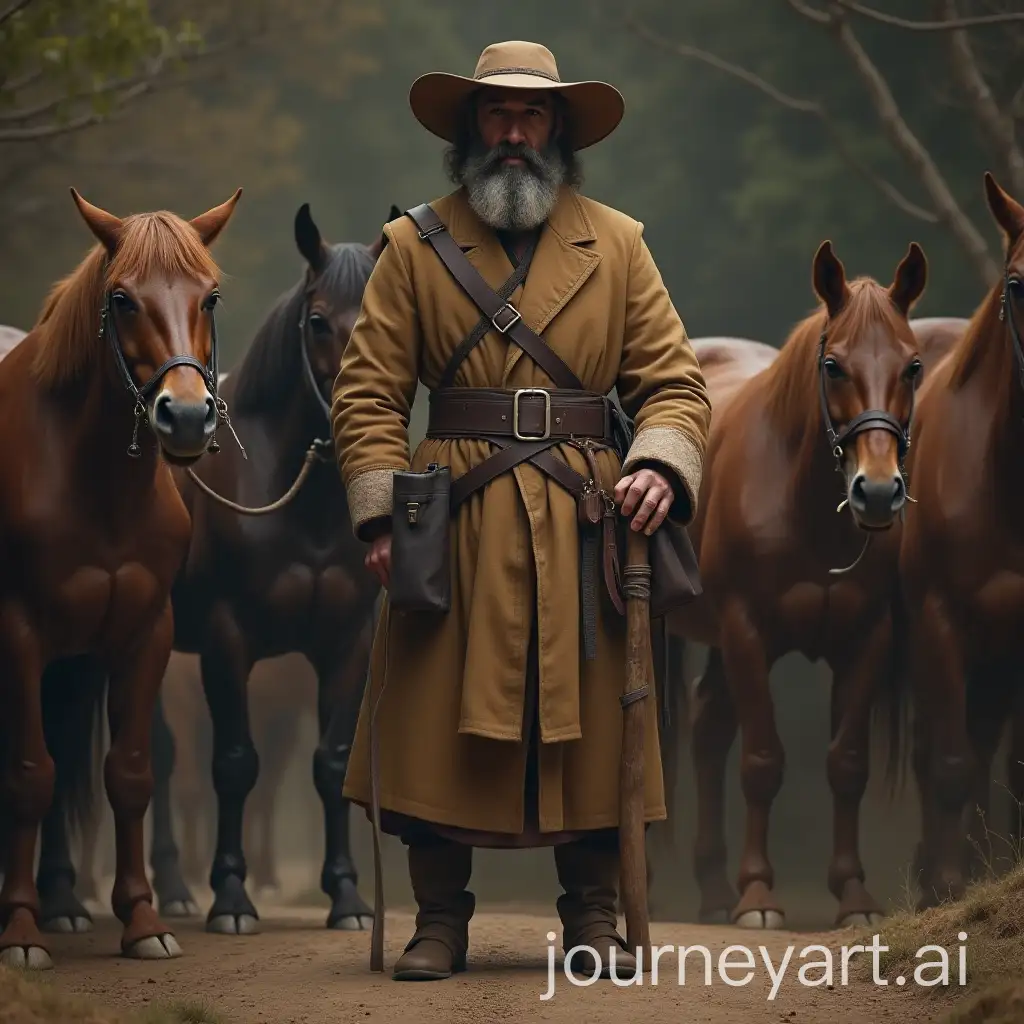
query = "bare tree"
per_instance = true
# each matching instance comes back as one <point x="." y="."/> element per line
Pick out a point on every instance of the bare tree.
<point x="997" y="126"/>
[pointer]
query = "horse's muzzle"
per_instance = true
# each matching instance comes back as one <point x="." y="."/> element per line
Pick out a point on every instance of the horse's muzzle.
<point x="184" y="427"/>
<point x="875" y="501"/>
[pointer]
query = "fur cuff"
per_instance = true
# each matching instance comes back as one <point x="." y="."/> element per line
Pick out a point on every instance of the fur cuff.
<point x="370" y="500"/>
<point x="667" y="448"/>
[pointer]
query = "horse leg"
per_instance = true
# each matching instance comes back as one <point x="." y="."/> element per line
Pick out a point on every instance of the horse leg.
<point x="340" y="682"/>
<point x="174" y="896"/>
<point x="128" y="772"/>
<point x="225" y="665"/>
<point x="854" y="680"/>
<point x="714" y="731"/>
<point x="761" y="765"/>
<point x="940" y="697"/>
<point x="28" y="788"/>
<point x="60" y="908"/>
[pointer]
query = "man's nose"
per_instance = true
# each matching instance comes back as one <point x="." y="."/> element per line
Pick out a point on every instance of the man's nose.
<point x="515" y="134"/>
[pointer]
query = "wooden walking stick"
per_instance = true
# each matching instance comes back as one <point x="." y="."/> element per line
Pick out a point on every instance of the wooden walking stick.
<point x="636" y="585"/>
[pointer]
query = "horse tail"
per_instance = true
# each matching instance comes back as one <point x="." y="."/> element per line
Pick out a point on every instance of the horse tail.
<point x="892" y="699"/>
<point x="73" y="693"/>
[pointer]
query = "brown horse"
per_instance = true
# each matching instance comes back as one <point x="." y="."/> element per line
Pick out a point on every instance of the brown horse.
<point x="769" y="537"/>
<point x="92" y="533"/>
<point x="257" y="587"/>
<point x="962" y="564"/>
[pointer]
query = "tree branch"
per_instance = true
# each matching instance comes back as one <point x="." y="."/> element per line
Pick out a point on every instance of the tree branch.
<point x="803" y="106"/>
<point x="811" y="13"/>
<point x="905" y="142"/>
<point x="998" y="129"/>
<point x="946" y="25"/>
<point x="13" y="9"/>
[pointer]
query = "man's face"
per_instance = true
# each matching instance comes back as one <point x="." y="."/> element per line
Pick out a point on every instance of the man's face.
<point x="508" y="115"/>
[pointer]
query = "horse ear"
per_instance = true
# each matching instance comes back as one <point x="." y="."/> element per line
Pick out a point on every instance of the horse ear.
<point x="105" y="226"/>
<point x="308" y="240"/>
<point x="1009" y="214"/>
<point x="210" y="224"/>
<point x="376" y="248"/>
<point x="829" y="278"/>
<point x="910" y="279"/>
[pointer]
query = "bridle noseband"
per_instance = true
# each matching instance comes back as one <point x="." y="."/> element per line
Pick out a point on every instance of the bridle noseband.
<point x="869" y="419"/>
<point x="141" y="395"/>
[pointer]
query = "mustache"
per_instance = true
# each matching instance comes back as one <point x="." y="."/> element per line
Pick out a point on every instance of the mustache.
<point x="506" y="150"/>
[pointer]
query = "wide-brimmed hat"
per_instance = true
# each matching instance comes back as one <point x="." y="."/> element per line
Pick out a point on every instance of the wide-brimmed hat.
<point x="595" y="108"/>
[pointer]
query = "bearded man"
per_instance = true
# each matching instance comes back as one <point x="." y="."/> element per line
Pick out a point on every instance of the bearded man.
<point x="497" y="705"/>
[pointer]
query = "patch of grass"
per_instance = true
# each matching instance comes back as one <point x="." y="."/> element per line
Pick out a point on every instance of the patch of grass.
<point x="997" y="1004"/>
<point x="26" y="999"/>
<point x="189" y="1011"/>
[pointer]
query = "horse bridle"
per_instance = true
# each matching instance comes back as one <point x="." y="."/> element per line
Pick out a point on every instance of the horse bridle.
<point x="307" y="366"/>
<point x="869" y="419"/>
<point x="1006" y="315"/>
<point x="141" y="395"/>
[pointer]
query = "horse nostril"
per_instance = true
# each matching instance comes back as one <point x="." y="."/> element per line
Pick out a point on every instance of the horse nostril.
<point x="899" y="496"/>
<point x="210" y="422"/>
<point x="163" y="414"/>
<point x="857" y="496"/>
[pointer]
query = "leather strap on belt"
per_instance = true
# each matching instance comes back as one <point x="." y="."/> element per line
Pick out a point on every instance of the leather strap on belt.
<point x="527" y="414"/>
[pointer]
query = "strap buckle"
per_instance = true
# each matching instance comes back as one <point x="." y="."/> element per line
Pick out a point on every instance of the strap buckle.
<point x="516" y="317"/>
<point x="432" y="230"/>
<point x="515" y="415"/>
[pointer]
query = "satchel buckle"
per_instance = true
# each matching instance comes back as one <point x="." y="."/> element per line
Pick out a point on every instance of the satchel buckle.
<point x="515" y="415"/>
<point x="516" y="317"/>
<point x="412" y="509"/>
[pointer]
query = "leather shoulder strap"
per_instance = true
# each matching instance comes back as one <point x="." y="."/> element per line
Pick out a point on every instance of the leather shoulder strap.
<point x="504" y="317"/>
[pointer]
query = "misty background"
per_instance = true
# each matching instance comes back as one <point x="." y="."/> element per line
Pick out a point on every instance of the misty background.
<point x="754" y="129"/>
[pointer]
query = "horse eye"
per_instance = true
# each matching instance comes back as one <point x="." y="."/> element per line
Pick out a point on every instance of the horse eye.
<point x="212" y="300"/>
<point x="1015" y="284"/>
<point x="913" y="371"/>
<point x="123" y="303"/>
<point x="319" y="323"/>
<point x="833" y="369"/>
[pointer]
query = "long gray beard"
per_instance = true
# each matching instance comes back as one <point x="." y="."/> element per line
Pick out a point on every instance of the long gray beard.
<point x="513" y="198"/>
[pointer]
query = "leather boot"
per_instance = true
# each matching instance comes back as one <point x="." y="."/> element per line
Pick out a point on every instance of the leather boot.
<point x="439" y="871"/>
<point x="588" y="871"/>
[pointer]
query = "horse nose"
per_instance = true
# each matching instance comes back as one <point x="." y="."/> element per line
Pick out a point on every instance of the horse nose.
<point x="183" y="426"/>
<point x="875" y="500"/>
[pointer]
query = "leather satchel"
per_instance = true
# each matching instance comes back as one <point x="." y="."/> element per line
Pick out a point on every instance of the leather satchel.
<point x="421" y="541"/>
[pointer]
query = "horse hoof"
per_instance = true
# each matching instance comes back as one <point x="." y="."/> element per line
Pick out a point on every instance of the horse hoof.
<point x="768" y="920"/>
<point x="231" y="924"/>
<point x="32" y="958"/>
<point x="67" y="925"/>
<point x="180" y="908"/>
<point x="162" y="947"/>
<point x="352" y="923"/>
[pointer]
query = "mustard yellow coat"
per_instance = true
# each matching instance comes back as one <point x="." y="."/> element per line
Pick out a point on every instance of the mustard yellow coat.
<point x="450" y="714"/>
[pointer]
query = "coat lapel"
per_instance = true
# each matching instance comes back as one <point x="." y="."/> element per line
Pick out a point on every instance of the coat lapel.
<point x="561" y="266"/>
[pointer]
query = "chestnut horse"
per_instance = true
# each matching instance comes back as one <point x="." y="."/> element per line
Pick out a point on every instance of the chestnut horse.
<point x="962" y="565"/>
<point x="92" y="533"/>
<point x="770" y="539"/>
<point x="260" y="586"/>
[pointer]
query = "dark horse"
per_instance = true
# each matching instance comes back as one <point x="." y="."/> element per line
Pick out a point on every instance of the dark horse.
<point x="92" y="534"/>
<point x="259" y="586"/>
<point x="837" y="397"/>
<point x="962" y="568"/>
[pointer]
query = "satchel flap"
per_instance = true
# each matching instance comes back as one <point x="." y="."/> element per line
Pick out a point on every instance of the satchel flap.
<point x="422" y="485"/>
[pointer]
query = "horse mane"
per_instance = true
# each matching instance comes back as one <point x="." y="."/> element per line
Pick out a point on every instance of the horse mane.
<point x="793" y="376"/>
<point x="272" y="363"/>
<point x="67" y="328"/>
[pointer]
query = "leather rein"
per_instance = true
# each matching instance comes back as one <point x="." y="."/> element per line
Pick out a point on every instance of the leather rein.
<point x="320" y="450"/>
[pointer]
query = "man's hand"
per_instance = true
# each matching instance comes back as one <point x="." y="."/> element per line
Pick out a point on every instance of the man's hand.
<point x="650" y="494"/>
<point x="378" y="560"/>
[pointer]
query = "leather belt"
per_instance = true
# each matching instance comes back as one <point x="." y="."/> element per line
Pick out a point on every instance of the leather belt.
<point x="526" y="414"/>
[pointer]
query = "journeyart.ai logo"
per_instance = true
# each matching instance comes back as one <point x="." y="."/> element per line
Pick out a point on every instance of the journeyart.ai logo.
<point x="737" y="965"/>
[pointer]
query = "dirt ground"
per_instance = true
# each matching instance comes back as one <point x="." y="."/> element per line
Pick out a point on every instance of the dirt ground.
<point x="296" y="972"/>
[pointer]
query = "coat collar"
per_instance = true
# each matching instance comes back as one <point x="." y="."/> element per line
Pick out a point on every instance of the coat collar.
<point x="561" y="264"/>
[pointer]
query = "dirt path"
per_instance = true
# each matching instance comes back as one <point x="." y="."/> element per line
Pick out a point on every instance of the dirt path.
<point x="296" y="972"/>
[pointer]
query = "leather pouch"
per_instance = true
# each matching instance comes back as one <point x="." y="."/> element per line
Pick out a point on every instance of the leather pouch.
<point x="421" y="541"/>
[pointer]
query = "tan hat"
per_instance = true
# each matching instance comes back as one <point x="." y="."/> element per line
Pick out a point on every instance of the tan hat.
<point x="596" y="107"/>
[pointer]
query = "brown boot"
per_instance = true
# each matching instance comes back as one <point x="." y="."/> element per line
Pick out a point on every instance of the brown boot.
<point x="588" y="871"/>
<point x="439" y="871"/>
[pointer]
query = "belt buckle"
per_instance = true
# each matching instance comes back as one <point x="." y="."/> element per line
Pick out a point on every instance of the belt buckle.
<point x="515" y="415"/>
<point x="516" y="317"/>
